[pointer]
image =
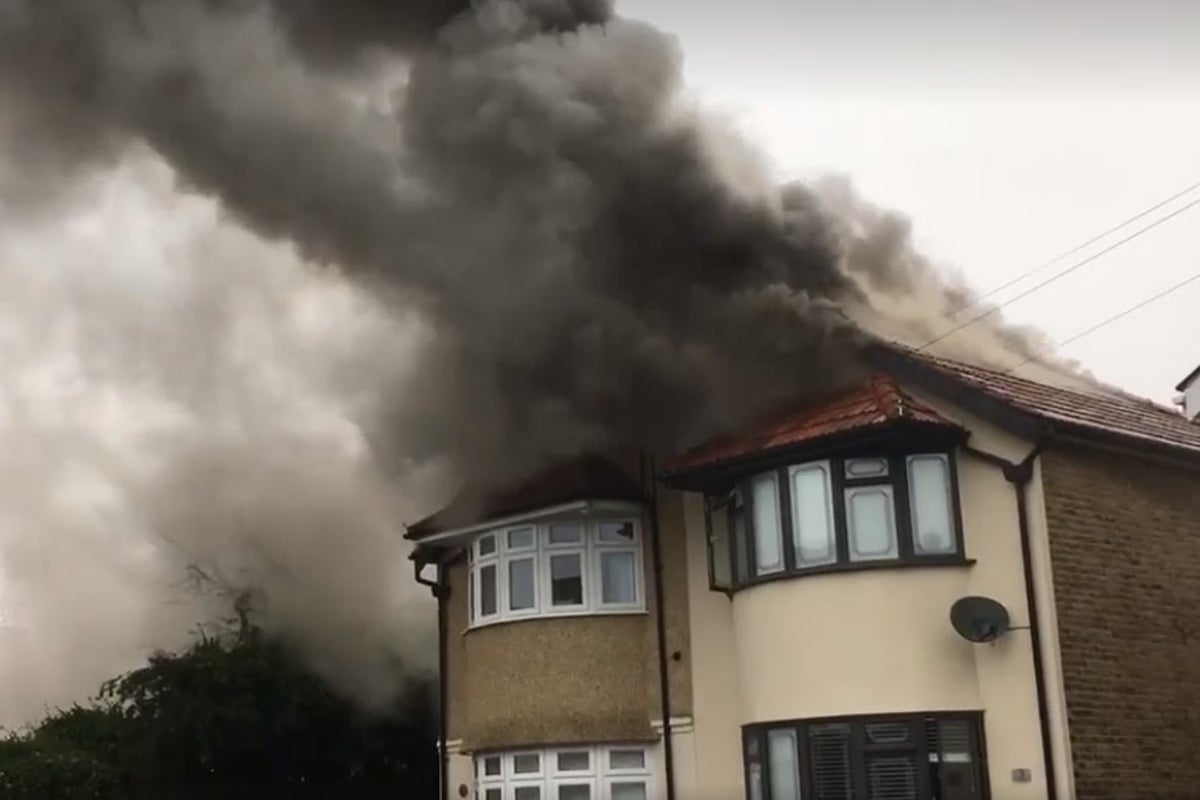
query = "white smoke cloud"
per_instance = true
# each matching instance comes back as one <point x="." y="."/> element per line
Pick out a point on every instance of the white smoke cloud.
<point x="176" y="390"/>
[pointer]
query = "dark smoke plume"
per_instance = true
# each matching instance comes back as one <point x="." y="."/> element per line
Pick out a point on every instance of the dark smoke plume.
<point x="590" y="262"/>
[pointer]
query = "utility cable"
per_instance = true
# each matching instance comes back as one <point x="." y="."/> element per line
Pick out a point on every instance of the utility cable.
<point x="1118" y="316"/>
<point x="1077" y="265"/>
<point x="1073" y="250"/>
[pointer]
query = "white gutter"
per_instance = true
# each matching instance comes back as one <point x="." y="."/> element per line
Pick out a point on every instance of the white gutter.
<point x="578" y="508"/>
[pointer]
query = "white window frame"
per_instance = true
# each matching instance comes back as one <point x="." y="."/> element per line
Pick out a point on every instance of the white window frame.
<point x="599" y="777"/>
<point x="590" y="552"/>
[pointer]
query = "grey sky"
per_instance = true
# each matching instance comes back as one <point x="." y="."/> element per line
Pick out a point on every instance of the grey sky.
<point x="1007" y="132"/>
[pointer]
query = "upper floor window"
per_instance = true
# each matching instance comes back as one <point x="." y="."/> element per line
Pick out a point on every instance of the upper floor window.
<point x="919" y="757"/>
<point x="836" y="513"/>
<point x="574" y="773"/>
<point x="556" y="568"/>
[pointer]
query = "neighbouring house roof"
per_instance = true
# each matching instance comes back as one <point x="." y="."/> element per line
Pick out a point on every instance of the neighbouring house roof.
<point x="587" y="477"/>
<point x="1027" y="407"/>
<point x="1039" y="408"/>
<point x="1189" y="380"/>
<point x="878" y="403"/>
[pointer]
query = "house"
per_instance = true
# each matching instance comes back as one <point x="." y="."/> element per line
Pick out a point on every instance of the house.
<point x="1189" y="388"/>
<point x="768" y="615"/>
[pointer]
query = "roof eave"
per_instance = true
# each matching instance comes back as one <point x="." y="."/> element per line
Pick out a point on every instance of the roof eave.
<point x="581" y="507"/>
<point x="724" y="470"/>
<point x="1138" y="445"/>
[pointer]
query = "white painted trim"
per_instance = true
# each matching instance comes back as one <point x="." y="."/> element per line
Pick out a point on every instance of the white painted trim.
<point x="453" y="747"/>
<point x="678" y="725"/>
<point x="580" y="507"/>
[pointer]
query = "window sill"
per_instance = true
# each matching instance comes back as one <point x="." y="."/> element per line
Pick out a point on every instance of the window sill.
<point x="866" y="566"/>
<point x="613" y="612"/>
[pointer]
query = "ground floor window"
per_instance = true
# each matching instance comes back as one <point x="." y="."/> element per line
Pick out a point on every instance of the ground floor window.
<point x="893" y="757"/>
<point x="609" y="772"/>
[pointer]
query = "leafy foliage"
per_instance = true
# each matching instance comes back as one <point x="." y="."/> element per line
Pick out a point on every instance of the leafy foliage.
<point x="235" y="719"/>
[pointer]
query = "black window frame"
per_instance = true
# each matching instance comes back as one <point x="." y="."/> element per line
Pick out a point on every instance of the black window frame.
<point x="896" y="478"/>
<point x="861" y="751"/>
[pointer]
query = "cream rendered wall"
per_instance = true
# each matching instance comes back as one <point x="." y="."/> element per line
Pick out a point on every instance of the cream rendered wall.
<point x="878" y="641"/>
<point x="716" y="689"/>
<point x="460" y="771"/>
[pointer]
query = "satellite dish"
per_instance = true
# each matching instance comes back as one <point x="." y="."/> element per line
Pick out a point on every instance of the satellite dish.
<point x="979" y="619"/>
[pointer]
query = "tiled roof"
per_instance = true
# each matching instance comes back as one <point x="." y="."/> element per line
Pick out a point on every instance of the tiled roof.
<point x="1104" y="411"/>
<point x="587" y="477"/>
<point x="878" y="403"/>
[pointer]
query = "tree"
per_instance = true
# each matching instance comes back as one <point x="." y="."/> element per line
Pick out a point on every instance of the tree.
<point x="236" y="717"/>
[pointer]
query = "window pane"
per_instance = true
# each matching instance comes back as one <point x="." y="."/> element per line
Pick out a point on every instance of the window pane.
<point x="720" y="566"/>
<point x="754" y="768"/>
<point x="866" y="468"/>
<point x="526" y="764"/>
<point x="870" y="518"/>
<point x="616" y="532"/>
<point x="527" y="793"/>
<point x="520" y="584"/>
<point x="487" y="590"/>
<point x="829" y="757"/>
<point x="952" y="758"/>
<point x="768" y="534"/>
<point x="627" y="759"/>
<point x="812" y="516"/>
<point x="566" y="579"/>
<point x="618" y="578"/>
<point x="579" y="791"/>
<point x="784" y="769"/>
<point x="932" y="506"/>
<point x="493" y="794"/>
<point x="737" y="513"/>
<point x="888" y="732"/>
<point x="566" y="533"/>
<point x="892" y="778"/>
<point x="955" y="741"/>
<point x="520" y="539"/>
<point x="574" y="762"/>
<point x="629" y="790"/>
<point x="487" y="545"/>
<point x="491" y="765"/>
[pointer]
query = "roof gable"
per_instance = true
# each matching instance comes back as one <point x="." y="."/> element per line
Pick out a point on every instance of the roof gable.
<point x="879" y="403"/>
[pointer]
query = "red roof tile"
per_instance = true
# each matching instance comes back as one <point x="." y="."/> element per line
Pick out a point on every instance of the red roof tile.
<point x="1104" y="411"/>
<point x="878" y="403"/>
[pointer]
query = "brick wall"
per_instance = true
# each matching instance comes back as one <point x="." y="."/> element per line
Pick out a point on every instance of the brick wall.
<point x="1125" y="549"/>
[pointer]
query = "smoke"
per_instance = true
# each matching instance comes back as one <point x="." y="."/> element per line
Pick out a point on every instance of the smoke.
<point x="179" y="393"/>
<point x="526" y="240"/>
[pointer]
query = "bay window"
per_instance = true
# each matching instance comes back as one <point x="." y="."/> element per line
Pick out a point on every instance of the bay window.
<point x="837" y="513"/>
<point x="562" y="567"/>
<point x="614" y="772"/>
<point x="892" y="757"/>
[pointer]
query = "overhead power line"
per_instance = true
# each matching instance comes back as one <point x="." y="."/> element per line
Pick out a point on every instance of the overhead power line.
<point x="1047" y="264"/>
<point x="1076" y="266"/>
<point x="1118" y="316"/>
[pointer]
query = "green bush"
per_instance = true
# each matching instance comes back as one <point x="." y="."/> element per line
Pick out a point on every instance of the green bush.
<point x="238" y="719"/>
